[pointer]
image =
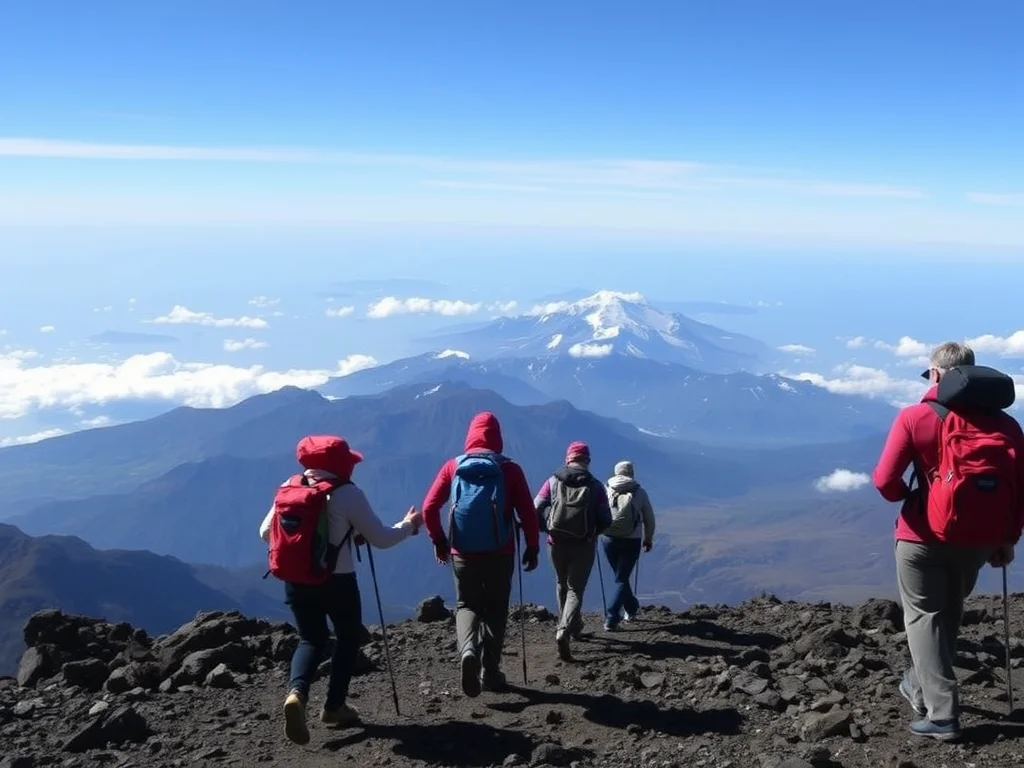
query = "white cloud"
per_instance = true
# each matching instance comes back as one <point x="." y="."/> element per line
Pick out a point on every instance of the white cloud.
<point x="35" y="437"/>
<point x="856" y="342"/>
<point x="180" y="315"/>
<point x="797" y="349"/>
<point x="390" y="306"/>
<point x="47" y="328"/>
<point x="155" y="376"/>
<point x="522" y="175"/>
<point x="590" y="350"/>
<point x="3" y="332"/>
<point x="1014" y="200"/>
<point x="906" y="347"/>
<point x="842" y="481"/>
<point x="107" y="308"/>
<point x="503" y="307"/>
<point x="263" y="302"/>
<point x="340" y="311"/>
<point x="230" y="345"/>
<point x="1004" y="346"/>
<point x="95" y="423"/>
<point x="851" y="379"/>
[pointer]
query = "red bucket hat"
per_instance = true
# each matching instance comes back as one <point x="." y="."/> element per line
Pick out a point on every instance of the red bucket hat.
<point x="328" y="454"/>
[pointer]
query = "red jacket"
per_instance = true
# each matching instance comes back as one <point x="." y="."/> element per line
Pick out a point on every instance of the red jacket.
<point x="914" y="440"/>
<point x="484" y="434"/>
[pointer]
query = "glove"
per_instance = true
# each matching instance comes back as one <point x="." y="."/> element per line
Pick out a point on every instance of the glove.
<point x="442" y="551"/>
<point x="1002" y="556"/>
<point x="648" y="546"/>
<point x="530" y="559"/>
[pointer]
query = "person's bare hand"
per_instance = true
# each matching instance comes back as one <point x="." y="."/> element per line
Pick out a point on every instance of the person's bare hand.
<point x="442" y="552"/>
<point x="414" y="518"/>
<point x="648" y="546"/>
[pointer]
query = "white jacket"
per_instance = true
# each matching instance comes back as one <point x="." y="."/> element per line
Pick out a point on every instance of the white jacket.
<point x="349" y="508"/>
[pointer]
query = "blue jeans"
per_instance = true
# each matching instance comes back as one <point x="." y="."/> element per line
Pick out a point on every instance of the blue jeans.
<point x="622" y="555"/>
<point x="337" y="600"/>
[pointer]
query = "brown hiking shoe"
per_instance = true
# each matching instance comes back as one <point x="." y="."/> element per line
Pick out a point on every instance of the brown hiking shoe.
<point x="295" y="718"/>
<point x="564" y="649"/>
<point x="342" y="717"/>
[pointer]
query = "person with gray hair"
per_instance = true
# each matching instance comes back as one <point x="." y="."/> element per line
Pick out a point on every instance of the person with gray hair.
<point x="963" y="507"/>
<point x="632" y="522"/>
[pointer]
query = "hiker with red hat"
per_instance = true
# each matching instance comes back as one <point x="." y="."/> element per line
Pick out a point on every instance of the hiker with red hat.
<point x="482" y="488"/>
<point x="310" y="528"/>
<point x="573" y="509"/>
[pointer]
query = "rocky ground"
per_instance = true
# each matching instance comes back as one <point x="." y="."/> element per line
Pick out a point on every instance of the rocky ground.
<point x="760" y="685"/>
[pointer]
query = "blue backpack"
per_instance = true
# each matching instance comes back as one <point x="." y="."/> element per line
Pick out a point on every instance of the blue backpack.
<point x="478" y="504"/>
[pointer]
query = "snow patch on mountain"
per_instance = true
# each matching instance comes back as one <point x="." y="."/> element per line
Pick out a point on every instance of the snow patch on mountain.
<point x="452" y="353"/>
<point x="556" y="340"/>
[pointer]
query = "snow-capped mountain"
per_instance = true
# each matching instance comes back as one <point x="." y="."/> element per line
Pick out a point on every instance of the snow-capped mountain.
<point x="667" y="399"/>
<point x="607" y="324"/>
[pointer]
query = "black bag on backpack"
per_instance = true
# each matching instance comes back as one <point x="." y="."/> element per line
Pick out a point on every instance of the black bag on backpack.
<point x="976" y="387"/>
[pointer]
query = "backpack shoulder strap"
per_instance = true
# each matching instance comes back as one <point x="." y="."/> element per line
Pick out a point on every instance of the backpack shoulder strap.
<point x="940" y="410"/>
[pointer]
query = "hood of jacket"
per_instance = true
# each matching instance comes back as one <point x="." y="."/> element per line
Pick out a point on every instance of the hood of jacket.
<point x="622" y="484"/>
<point x="484" y="434"/>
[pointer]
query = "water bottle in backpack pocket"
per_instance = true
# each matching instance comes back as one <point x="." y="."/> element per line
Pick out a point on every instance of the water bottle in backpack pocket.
<point x="478" y="509"/>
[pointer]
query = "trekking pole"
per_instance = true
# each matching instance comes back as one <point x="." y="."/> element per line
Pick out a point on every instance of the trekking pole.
<point x="522" y="607"/>
<point x="1006" y="644"/>
<point x="383" y="630"/>
<point x="600" y="578"/>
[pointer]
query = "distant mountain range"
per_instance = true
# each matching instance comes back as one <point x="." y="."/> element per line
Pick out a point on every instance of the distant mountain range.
<point x="195" y="483"/>
<point x="148" y="590"/>
<point x="617" y="356"/>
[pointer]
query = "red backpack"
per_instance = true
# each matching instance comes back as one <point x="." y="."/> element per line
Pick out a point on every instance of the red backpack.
<point x="300" y="548"/>
<point x="973" y="495"/>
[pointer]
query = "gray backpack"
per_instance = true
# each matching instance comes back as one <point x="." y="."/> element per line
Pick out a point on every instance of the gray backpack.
<point x="572" y="505"/>
<point x="625" y="516"/>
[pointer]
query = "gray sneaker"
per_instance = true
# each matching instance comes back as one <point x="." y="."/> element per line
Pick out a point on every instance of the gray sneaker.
<point x="941" y="730"/>
<point x="919" y="709"/>
<point x="470" y="668"/>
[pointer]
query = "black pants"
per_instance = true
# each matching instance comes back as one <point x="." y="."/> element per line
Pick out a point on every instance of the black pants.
<point x="483" y="585"/>
<point x="337" y="600"/>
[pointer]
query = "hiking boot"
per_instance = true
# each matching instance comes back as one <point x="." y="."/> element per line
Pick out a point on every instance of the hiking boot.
<point x="295" y="718"/>
<point x="564" y="650"/>
<point x="341" y="717"/>
<point x="942" y="730"/>
<point x="470" y="668"/>
<point x="609" y="627"/>
<point x="494" y="682"/>
<point x="919" y="709"/>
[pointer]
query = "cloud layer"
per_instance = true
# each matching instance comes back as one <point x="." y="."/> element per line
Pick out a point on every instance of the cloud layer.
<point x="25" y="388"/>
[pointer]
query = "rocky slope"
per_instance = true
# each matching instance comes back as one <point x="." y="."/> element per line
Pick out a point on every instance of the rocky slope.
<point x="762" y="685"/>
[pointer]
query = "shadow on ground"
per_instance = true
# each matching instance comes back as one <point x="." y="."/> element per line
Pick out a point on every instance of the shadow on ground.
<point x="457" y="744"/>
<point x="613" y="712"/>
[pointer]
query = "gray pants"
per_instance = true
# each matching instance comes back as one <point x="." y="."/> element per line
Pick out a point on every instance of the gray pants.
<point x="573" y="562"/>
<point x="483" y="586"/>
<point x="934" y="581"/>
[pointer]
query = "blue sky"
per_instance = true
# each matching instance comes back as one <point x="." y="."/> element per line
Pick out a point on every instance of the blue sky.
<point x="857" y="121"/>
<point x="836" y="168"/>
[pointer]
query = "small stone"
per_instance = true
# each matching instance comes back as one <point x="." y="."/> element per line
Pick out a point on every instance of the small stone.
<point x="514" y="759"/>
<point x="27" y="708"/>
<point x="35" y="665"/>
<point x="554" y="718"/>
<point x="167" y="686"/>
<point x="212" y="753"/>
<point x="817" y="727"/>
<point x="432" y="609"/>
<point x="98" y="708"/>
<point x="826" y="703"/>
<point x="817" y="753"/>
<point x="769" y="700"/>
<point x="652" y="679"/>
<point x="220" y="677"/>
<point x="553" y="680"/>
<point x="118" y="681"/>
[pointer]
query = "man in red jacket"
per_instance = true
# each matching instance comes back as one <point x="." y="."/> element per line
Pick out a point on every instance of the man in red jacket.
<point x="935" y="572"/>
<point x="483" y="572"/>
